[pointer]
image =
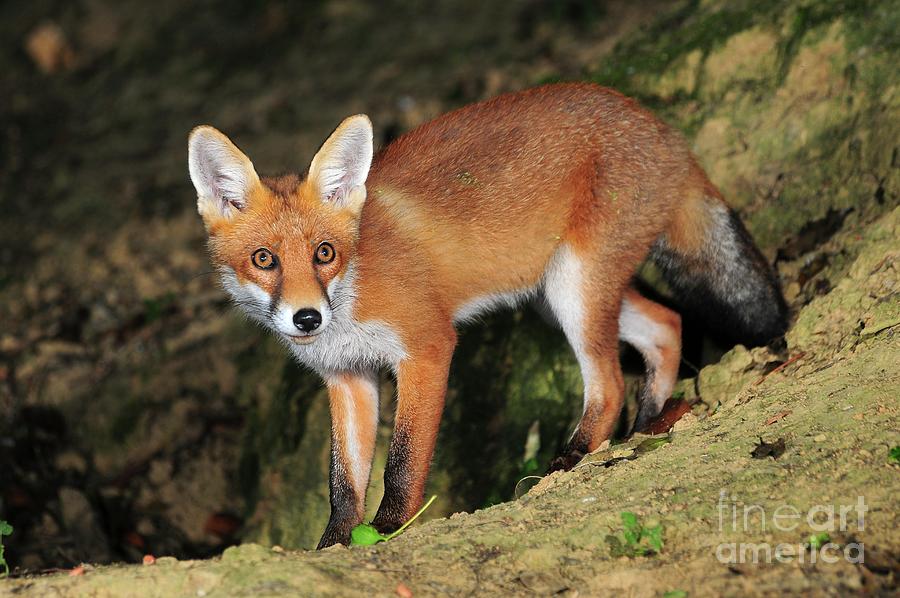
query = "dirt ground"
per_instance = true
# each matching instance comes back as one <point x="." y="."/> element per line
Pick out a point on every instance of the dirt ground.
<point x="139" y="415"/>
<point x="721" y="503"/>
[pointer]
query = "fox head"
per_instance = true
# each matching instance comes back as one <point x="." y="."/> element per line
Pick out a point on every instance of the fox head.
<point x="283" y="246"/>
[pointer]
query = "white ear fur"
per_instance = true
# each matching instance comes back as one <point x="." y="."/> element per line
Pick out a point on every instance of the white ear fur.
<point x="342" y="164"/>
<point x="221" y="173"/>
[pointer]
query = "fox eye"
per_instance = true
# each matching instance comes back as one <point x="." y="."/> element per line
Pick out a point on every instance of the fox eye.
<point x="324" y="252"/>
<point x="264" y="259"/>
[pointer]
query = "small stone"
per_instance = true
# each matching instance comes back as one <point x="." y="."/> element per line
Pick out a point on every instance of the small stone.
<point x="687" y="420"/>
<point x="160" y="471"/>
<point x="83" y="523"/>
<point x="819" y="438"/>
<point x="245" y="553"/>
<point x="10" y="344"/>
<point x="48" y="47"/>
<point x="622" y="453"/>
<point x="145" y="527"/>
<point x="71" y="460"/>
<point x="166" y="561"/>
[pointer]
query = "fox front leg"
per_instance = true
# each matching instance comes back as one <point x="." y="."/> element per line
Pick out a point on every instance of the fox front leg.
<point x="353" y="399"/>
<point x="422" y="385"/>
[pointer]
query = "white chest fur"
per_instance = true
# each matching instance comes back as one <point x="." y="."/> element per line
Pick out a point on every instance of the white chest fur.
<point x="348" y="344"/>
<point x="344" y="344"/>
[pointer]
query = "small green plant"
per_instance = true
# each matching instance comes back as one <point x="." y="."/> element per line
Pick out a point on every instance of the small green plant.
<point x="675" y="594"/>
<point x="894" y="455"/>
<point x="635" y="539"/>
<point x="5" y="530"/>
<point x="817" y="541"/>
<point x="365" y="534"/>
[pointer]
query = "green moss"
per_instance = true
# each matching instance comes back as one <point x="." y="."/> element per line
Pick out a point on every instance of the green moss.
<point x="691" y="27"/>
<point x="282" y="459"/>
<point x="507" y="374"/>
<point x="684" y="30"/>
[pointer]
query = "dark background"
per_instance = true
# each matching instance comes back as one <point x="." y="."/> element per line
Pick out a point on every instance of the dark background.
<point x="139" y="414"/>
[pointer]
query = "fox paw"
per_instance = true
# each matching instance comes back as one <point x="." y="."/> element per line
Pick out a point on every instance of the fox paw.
<point x="566" y="461"/>
<point x="336" y="533"/>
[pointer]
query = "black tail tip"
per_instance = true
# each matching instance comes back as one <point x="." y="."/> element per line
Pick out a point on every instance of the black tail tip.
<point x="758" y="323"/>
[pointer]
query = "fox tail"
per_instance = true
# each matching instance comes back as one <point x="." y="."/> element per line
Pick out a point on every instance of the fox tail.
<point x="717" y="273"/>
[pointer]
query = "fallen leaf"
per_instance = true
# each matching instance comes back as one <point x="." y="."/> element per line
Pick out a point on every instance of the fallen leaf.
<point x="222" y="525"/>
<point x="672" y="411"/>
<point x="135" y="539"/>
<point x="781" y="367"/>
<point x="778" y="417"/>
<point x="403" y="591"/>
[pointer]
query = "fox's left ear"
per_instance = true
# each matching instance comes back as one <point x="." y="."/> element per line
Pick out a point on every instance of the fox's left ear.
<point x="340" y="168"/>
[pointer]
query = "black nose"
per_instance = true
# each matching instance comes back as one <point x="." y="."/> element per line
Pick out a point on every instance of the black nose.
<point x="307" y="320"/>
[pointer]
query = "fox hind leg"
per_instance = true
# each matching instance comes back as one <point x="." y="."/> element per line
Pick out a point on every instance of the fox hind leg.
<point x="585" y="301"/>
<point x="655" y="331"/>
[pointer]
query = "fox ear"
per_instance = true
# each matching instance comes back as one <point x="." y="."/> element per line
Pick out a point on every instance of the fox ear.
<point x="340" y="168"/>
<point x="221" y="173"/>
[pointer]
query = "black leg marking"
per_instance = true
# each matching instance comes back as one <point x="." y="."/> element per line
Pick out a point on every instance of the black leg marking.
<point x="394" y="506"/>
<point x="648" y="406"/>
<point x="344" y="516"/>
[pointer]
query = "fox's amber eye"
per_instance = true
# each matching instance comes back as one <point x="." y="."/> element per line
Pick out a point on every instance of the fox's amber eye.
<point x="324" y="253"/>
<point x="264" y="259"/>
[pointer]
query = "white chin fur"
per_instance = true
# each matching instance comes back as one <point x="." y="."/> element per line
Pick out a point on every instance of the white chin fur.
<point x="251" y="298"/>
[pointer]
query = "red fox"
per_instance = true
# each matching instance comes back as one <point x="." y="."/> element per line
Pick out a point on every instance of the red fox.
<point x="555" y="194"/>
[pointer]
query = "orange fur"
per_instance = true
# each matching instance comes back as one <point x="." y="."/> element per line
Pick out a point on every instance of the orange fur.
<point x="471" y="206"/>
<point x="354" y="414"/>
<point x="667" y="344"/>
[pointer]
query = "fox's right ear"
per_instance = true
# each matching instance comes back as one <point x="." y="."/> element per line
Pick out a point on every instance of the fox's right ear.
<point x="223" y="176"/>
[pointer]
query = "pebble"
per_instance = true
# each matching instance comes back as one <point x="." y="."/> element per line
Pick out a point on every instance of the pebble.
<point x="820" y="438"/>
<point x="166" y="560"/>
